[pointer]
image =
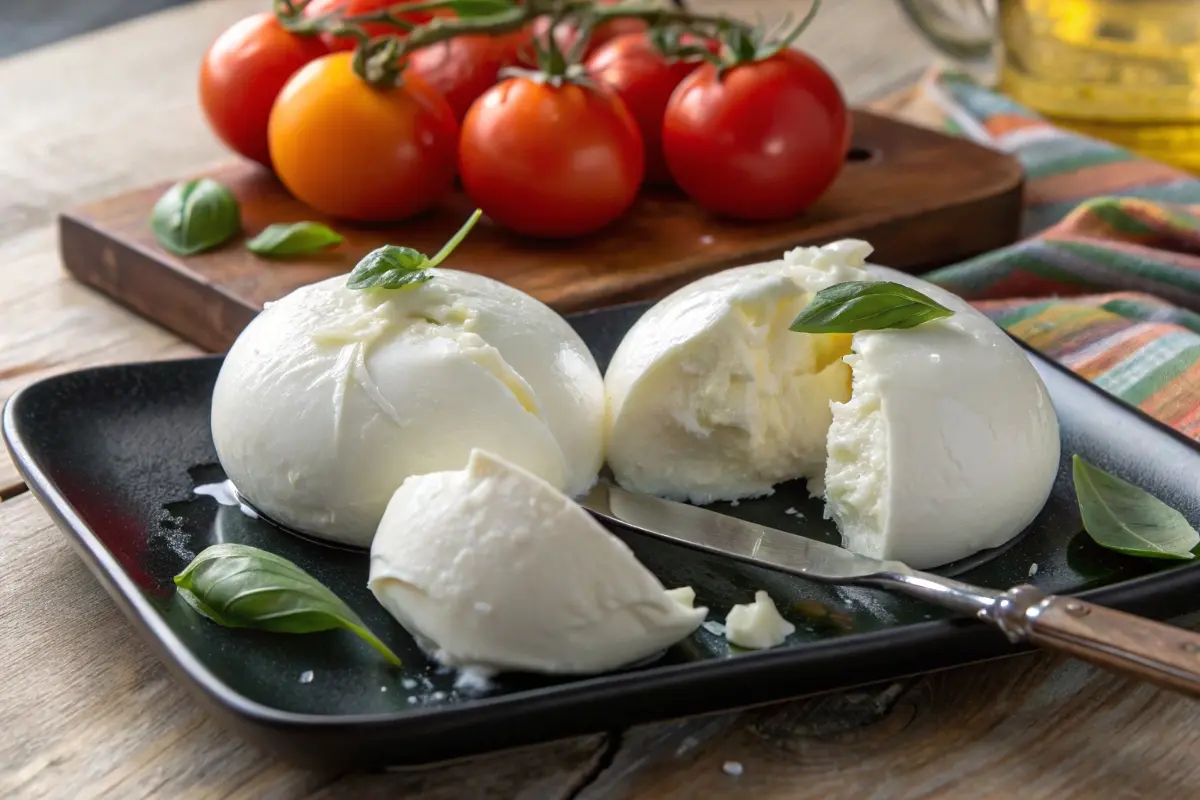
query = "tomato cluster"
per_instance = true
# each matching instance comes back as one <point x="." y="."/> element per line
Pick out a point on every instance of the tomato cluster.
<point x="758" y="137"/>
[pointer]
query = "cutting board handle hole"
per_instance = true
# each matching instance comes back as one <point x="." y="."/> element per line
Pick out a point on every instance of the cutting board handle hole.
<point x="861" y="154"/>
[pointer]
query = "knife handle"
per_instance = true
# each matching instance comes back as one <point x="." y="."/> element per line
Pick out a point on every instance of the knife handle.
<point x="1152" y="651"/>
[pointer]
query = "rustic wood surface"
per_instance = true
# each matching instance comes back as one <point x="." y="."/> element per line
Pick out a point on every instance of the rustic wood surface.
<point x="87" y="711"/>
<point x="960" y="200"/>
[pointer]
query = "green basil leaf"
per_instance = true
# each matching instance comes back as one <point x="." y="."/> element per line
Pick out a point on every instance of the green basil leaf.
<point x="390" y="267"/>
<point x="238" y="586"/>
<point x="194" y="216"/>
<point x="479" y="8"/>
<point x="867" y="306"/>
<point x="295" y="239"/>
<point x="1122" y="517"/>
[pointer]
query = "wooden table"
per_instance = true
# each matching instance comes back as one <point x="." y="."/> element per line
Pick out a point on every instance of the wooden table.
<point x="86" y="711"/>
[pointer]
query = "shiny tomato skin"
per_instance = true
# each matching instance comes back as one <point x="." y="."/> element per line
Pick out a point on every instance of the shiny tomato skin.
<point x="242" y="73"/>
<point x="349" y="8"/>
<point x="360" y="153"/>
<point x="550" y="161"/>
<point x="465" y="67"/>
<point x="644" y="79"/>
<point x="761" y="142"/>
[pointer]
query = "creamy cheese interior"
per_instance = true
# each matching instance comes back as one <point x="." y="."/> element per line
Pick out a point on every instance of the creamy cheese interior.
<point x="711" y="397"/>
<point x="856" y="474"/>
<point x="927" y="443"/>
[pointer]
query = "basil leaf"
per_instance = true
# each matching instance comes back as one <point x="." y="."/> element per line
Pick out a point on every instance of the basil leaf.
<point x="1122" y="517"/>
<point x="390" y="267"/>
<point x="194" y="216"/>
<point x="867" y="306"/>
<point x="238" y="586"/>
<point x="295" y="239"/>
<point x="479" y="8"/>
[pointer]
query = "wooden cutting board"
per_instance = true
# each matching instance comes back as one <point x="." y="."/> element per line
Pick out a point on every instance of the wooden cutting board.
<point x="921" y="198"/>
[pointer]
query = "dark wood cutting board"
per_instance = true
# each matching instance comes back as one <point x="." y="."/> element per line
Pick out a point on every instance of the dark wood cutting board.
<point x="921" y="198"/>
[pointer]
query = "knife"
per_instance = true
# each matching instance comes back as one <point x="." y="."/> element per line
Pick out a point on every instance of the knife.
<point x="1120" y="642"/>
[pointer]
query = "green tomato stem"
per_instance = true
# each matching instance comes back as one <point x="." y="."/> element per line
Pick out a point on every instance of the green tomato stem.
<point x="456" y="239"/>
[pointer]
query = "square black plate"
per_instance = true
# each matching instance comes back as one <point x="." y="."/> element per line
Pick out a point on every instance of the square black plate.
<point x="114" y="454"/>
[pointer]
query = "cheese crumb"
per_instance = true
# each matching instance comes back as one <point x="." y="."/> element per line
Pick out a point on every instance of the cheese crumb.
<point x="758" y="625"/>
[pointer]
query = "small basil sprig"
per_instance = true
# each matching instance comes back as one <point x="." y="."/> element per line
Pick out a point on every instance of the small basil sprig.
<point x="1122" y="517"/>
<point x="294" y="239"/>
<point x="867" y="306"/>
<point x="194" y="216"/>
<point x="239" y="586"/>
<point x="392" y="267"/>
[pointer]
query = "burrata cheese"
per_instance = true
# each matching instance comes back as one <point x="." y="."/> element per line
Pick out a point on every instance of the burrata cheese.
<point x="492" y="568"/>
<point x="331" y="397"/>
<point x="927" y="443"/>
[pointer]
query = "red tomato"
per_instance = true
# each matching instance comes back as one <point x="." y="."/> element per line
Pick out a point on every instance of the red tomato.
<point x="638" y="73"/>
<point x="465" y="67"/>
<point x="242" y="73"/>
<point x="551" y="161"/>
<point x="761" y="142"/>
<point x="348" y="8"/>
<point x="358" y="152"/>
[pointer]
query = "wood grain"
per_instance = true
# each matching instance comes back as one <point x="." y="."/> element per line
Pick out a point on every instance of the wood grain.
<point x="88" y="711"/>
<point x="1161" y="654"/>
<point x="85" y="710"/>
<point x="920" y="198"/>
<point x="113" y="110"/>
<point x="1030" y="727"/>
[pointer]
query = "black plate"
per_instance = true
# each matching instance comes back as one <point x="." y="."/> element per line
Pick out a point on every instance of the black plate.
<point x="114" y="454"/>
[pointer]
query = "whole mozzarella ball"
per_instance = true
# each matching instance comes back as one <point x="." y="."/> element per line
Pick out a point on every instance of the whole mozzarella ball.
<point x="491" y="568"/>
<point x="928" y="443"/>
<point x="331" y="397"/>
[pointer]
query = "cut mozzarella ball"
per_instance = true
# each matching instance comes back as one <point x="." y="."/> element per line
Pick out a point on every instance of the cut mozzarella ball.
<point x="711" y="397"/>
<point x="492" y="568"/>
<point x="331" y="397"/>
<point x="949" y="443"/>
<point x="928" y="443"/>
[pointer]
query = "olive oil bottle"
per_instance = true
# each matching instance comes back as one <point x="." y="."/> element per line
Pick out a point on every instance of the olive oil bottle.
<point x="1123" y="70"/>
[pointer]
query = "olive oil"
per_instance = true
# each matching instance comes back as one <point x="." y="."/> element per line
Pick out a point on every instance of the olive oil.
<point x="1123" y="70"/>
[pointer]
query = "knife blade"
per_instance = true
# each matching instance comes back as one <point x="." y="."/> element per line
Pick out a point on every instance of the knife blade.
<point x="713" y="532"/>
<point x="1130" y="645"/>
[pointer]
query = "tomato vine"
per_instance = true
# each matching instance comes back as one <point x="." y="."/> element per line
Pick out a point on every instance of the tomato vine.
<point x="379" y="60"/>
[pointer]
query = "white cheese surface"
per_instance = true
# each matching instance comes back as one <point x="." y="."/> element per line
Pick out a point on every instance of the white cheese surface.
<point x="711" y="397"/>
<point x="757" y="625"/>
<point x="928" y="444"/>
<point x="492" y="568"/>
<point x="331" y="397"/>
<point x="949" y="444"/>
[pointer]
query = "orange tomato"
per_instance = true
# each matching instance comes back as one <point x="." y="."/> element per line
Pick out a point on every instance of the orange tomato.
<point x="358" y="152"/>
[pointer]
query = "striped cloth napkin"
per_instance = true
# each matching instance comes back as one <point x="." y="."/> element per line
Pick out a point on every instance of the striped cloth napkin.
<point x="1107" y="278"/>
